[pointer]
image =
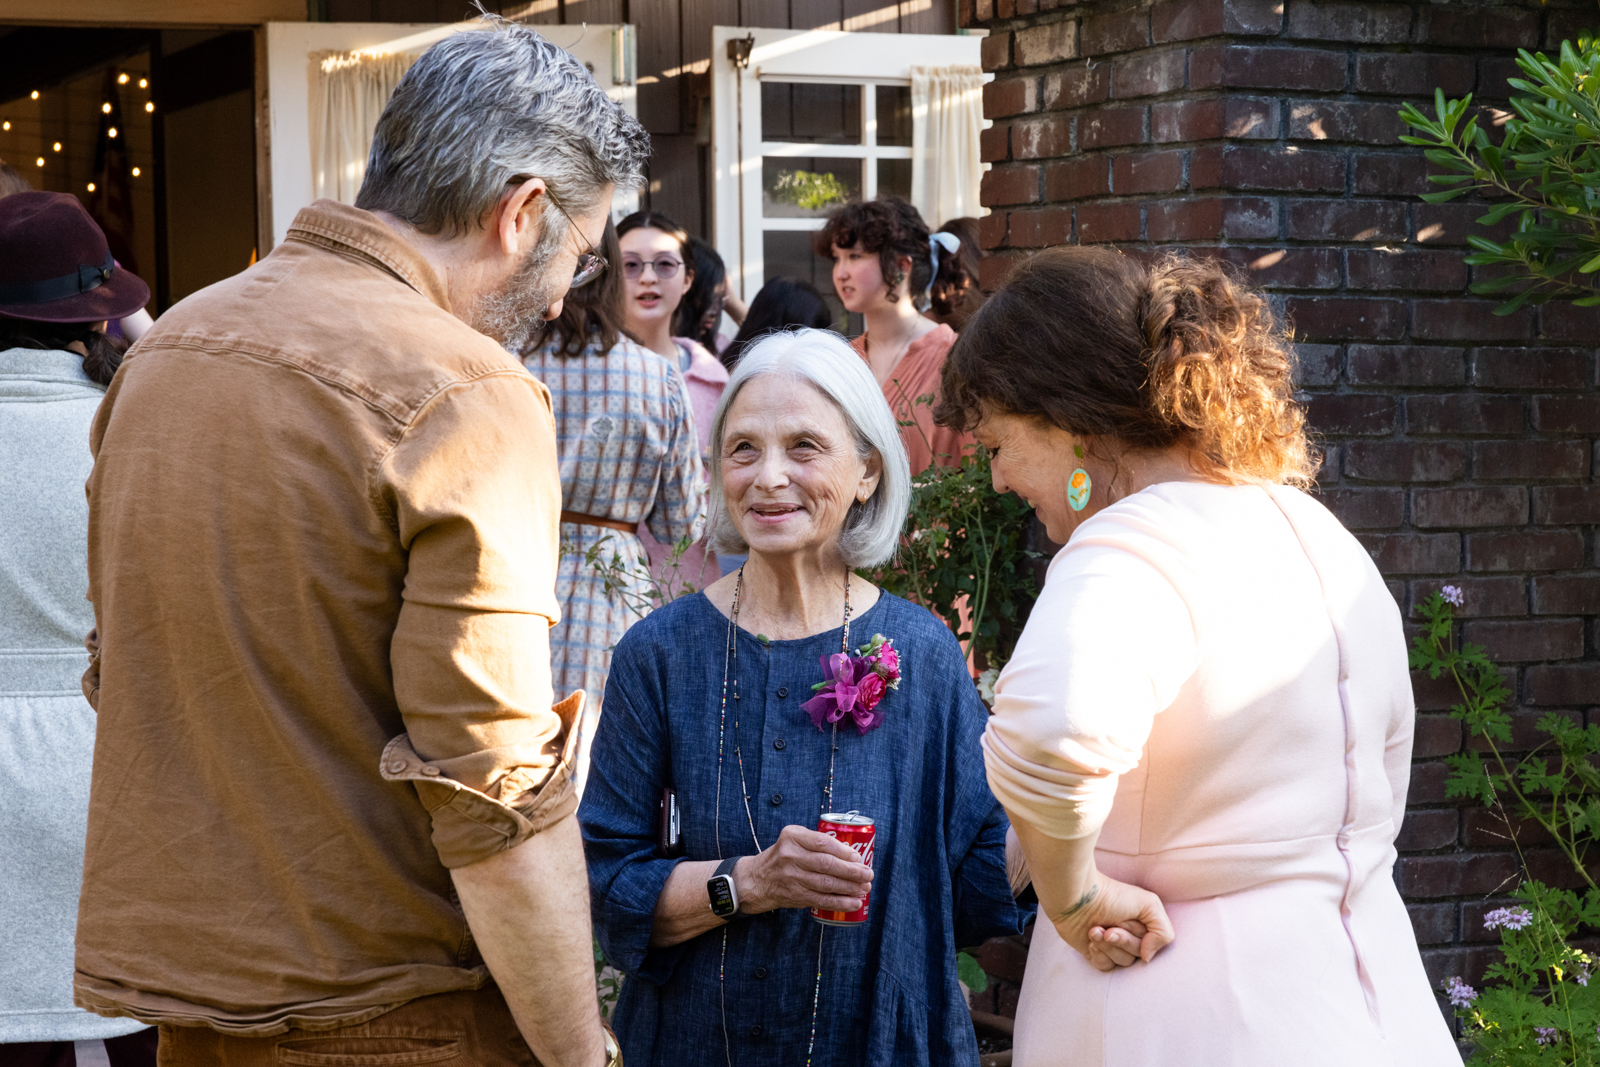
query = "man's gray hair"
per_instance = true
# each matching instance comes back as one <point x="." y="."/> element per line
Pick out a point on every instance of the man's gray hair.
<point x="483" y="106"/>
<point x="871" y="530"/>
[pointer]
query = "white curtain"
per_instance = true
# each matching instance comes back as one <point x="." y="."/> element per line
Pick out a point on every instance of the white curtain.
<point x="946" y="119"/>
<point x="348" y="93"/>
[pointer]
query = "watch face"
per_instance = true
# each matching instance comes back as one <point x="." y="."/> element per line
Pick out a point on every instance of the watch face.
<point x="721" y="890"/>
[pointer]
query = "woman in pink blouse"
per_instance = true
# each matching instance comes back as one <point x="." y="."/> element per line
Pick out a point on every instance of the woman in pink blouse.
<point x="1203" y="739"/>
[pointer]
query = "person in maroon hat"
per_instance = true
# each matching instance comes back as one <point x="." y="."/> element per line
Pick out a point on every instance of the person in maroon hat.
<point x="57" y="289"/>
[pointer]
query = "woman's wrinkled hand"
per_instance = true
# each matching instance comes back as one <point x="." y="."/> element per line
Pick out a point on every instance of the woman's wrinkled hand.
<point x="804" y="869"/>
<point x="1112" y="924"/>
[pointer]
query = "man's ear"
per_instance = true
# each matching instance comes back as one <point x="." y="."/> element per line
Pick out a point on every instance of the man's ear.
<point x="520" y="211"/>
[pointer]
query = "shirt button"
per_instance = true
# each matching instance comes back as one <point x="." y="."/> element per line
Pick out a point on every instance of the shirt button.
<point x="430" y="771"/>
<point x="780" y="744"/>
<point x="777" y="798"/>
<point x="756" y="1031"/>
<point x="761" y="972"/>
<point x="783" y="691"/>
<point x="396" y="767"/>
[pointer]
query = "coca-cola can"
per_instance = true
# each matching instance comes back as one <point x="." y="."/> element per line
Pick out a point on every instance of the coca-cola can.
<point x="857" y="831"/>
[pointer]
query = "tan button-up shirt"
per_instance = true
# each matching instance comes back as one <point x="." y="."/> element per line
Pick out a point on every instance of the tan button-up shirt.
<point x="322" y="552"/>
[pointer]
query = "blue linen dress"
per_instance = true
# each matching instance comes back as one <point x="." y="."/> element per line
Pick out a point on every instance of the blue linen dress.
<point x="889" y="989"/>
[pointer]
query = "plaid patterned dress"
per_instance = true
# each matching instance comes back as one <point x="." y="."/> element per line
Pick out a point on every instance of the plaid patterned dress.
<point x="626" y="436"/>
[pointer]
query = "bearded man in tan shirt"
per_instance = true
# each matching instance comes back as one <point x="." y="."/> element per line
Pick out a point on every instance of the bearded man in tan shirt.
<point x="332" y="815"/>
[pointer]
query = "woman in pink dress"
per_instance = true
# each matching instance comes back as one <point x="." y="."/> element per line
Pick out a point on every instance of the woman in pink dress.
<point x="1203" y="739"/>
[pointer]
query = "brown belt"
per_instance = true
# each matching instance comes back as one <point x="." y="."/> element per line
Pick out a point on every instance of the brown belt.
<point x="595" y="520"/>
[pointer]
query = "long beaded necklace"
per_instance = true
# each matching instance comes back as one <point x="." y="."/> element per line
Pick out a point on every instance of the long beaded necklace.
<point x="730" y="665"/>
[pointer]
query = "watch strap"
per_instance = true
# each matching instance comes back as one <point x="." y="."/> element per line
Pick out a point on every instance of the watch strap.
<point x="726" y="866"/>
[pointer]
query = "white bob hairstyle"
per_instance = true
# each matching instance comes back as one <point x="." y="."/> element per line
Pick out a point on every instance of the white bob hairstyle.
<point x="871" y="530"/>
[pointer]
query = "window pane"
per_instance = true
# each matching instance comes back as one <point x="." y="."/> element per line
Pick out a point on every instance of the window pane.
<point x="894" y="115"/>
<point x="820" y="114"/>
<point x="894" y="178"/>
<point x="807" y="188"/>
<point x="788" y="255"/>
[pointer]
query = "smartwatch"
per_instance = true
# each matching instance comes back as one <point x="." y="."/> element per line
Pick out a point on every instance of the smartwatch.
<point x="724" y="898"/>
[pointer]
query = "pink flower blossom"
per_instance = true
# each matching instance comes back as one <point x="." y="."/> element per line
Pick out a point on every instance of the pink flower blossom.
<point x="887" y="660"/>
<point x="1510" y="918"/>
<point x="1460" y="993"/>
<point x="1453" y="595"/>
<point x="870" y="690"/>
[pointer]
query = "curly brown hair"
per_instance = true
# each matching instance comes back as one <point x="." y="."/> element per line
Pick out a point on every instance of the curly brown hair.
<point x="1176" y="353"/>
<point x="890" y="228"/>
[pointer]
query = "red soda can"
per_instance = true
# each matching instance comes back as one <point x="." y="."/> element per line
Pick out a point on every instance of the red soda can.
<point x="857" y="831"/>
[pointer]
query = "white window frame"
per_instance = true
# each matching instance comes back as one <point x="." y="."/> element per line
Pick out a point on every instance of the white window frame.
<point x="817" y="56"/>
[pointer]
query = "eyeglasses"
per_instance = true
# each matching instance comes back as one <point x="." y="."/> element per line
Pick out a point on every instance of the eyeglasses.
<point x="664" y="266"/>
<point x="591" y="263"/>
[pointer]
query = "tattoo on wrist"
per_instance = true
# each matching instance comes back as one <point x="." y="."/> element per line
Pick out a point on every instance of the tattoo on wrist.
<point x="1083" y="902"/>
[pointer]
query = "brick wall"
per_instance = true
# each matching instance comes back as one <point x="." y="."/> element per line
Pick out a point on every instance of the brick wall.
<point x="1461" y="445"/>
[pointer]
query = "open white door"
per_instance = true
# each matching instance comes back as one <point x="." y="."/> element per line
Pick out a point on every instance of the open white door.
<point x="800" y="127"/>
<point x="608" y="51"/>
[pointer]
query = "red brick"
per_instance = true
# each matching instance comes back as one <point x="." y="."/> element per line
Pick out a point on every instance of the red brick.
<point x="1568" y="683"/>
<point x="1360" y="23"/>
<point x="1527" y="642"/>
<point x="1486" y="828"/>
<point x="1041" y="227"/>
<point x="1042" y="137"/>
<point x="1344" y="220"/>
<point x="1077" y="86"/>
<point x="1010" y="185"/>
<point x="1010" y="96"/>
<point x="1505" y="29"/>
<point x="1188" y="20"/>
<point x="1405" y="461"/>
<point x="1390" y="174"/>
<point x="1463" y="414"/>
<point x="993" y="270"/>
<point x="1284" y="169"/>
<point x="1317" y="318"/>
<point x="1461" y="874"/>
<point x="1316" y="365"/>
<point x="1429" y="830"/>
<point x="1530" y="460"/>
<point x="1427" y="783"/>
<point x="1433" y="924"/>
<point x="1110" y="127"/>
<point x="1484" y="598"/>
<point x="1567" y="414"/>
<point x="992" y="230"/>
<point x="1489" y="506"/>
<point x="1417" y="271"/>
<point x="1527" y="550"/>
<point x="1563" y="322"/>
<point x="1285" y="268"/>
<point x="1452" y="224"/>
<point x="1148" y="75"/>
<point x="1344" y="414"/>
<point x="1565" y="505"/>
<point x="1208" y="218"/>
<point x="1494" y="76"/>
<point x="1436" y="735"/>
<point x="1187" y="120"/>
<point x="996" y="51"/>
<point x="1406" y="365"/>
<point x="1467" y="320"/>
<point x="1319" y="120"/>
<point x="994" y="144"/>
<point x="1414" y="553"/>
<point x="1567" y="594"/>
<point x="1249" y="118"/>
<point x="1154" y="172"/>
<point x="1003" y="957"/>
<point x="982" y="10"/>
<point x="1259" y="67"/>
<point x="1118" y="31"/>
<point x="1413" y="75"/>
<point x="1077" y="179"/>
<point x="1050" y="43"/>
<point x="1566" y="25"/>
<point x="1531" y="368"/>
<point x="1366" y="509"/>
<point x="1005" y="8"/>
<point x="1108" y="222"/>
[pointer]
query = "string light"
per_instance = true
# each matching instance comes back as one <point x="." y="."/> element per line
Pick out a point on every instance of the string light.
<point x="56" y="146"/>
<point x="112" y="132"/>
<point x="149" y="106"/>
<point x="135" y="172"/>
<point x="34" y="95"/>
<point x="6" y="125"/>
<point x="91" y="187"/>
<point x="144" y="83"/>
<point x="105" y="108"/>
<point x="39" y="162"/>
<point x="122" y="79"/>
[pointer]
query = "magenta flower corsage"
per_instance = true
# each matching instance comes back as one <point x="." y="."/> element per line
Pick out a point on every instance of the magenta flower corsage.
<point x="853" y="685"/>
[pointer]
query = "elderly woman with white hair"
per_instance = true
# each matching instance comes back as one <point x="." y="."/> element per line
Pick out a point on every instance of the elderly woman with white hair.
<point x="786" y="691"/>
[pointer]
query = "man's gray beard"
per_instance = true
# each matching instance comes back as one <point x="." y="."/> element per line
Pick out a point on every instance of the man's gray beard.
<point x="514" y="313"/>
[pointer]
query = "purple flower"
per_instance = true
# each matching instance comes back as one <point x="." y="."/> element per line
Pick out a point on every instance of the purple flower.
<point x="1460" y="993"/>
<point x="1545" y="1035"/>
<point x="1453" y="595"/>
<point x="1510" y="918"/>
<point x="842" y="694"/>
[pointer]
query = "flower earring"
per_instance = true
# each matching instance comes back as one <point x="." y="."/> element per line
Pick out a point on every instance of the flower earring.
<point x="1079" y="485"/>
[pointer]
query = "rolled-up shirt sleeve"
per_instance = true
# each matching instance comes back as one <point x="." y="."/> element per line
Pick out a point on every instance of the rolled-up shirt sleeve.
<point x="474" y="490"/>
<point x="1107" y="647"/>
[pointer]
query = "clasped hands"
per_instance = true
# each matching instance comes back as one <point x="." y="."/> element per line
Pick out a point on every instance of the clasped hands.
<point x="802" y="869"/>
<point x="1112" y="923"/>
